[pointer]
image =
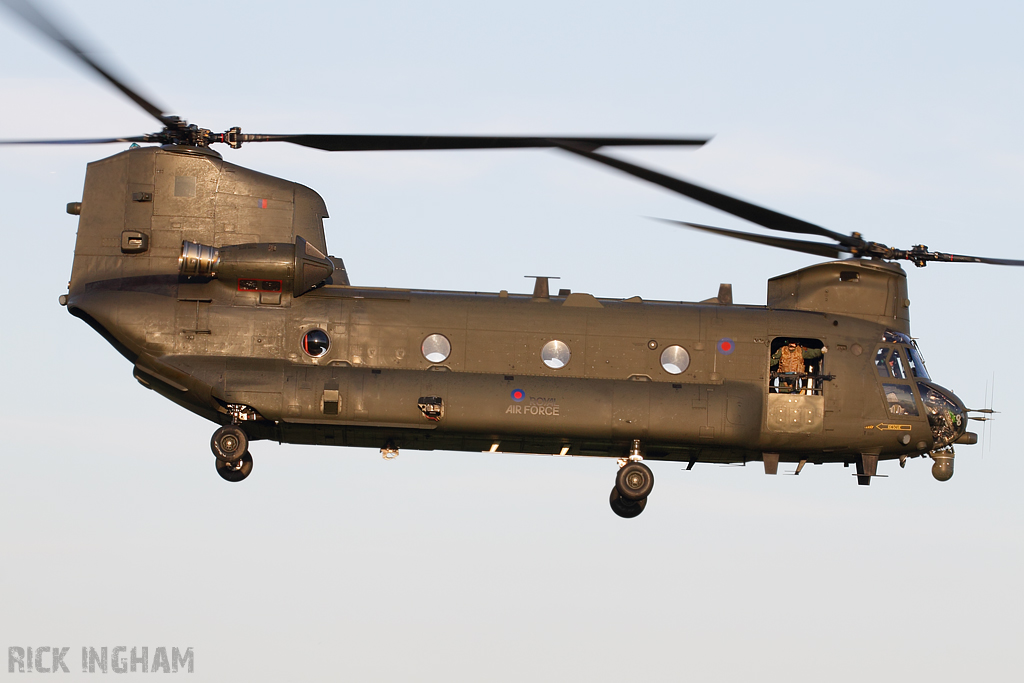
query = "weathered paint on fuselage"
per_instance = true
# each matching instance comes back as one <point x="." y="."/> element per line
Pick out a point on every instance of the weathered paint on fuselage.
<point x="226" y="347"/>
<point x="204" y="344"/>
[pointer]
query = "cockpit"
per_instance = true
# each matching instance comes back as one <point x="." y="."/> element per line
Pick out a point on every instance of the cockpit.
<point x="901" y="369"/>
<point x="903" y="361"/>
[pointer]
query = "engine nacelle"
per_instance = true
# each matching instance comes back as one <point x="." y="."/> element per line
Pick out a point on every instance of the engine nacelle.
<point x="942" y="469"/>
<point x="300" y="266"/>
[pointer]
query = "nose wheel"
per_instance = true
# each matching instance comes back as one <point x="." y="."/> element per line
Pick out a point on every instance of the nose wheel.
<point x="633" y="483"/>
<point x="230" y="445"/>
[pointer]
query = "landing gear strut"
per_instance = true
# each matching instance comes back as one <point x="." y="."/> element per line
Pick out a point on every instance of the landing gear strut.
<point x="230" y="446"/>
<point x="633" y="484"/>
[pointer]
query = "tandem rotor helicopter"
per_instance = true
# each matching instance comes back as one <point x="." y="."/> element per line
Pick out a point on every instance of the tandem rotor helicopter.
<point x="216" y="283"/>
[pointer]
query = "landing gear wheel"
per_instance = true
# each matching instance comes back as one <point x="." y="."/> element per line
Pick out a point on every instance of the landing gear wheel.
<point x="635" y="481"/>
<point x="626" y="508"/>
<point x="228" y="443"/>
<point x="235" y="471"/>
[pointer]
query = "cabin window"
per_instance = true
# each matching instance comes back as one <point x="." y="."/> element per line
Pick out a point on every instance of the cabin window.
<point x="316" y="343"/>
<point x="900" y="400"/>
<point x="675" y="359"/>
<point x="796" y="366"/>
<point x="555" y="354"/>
<point x="436" y="348"/>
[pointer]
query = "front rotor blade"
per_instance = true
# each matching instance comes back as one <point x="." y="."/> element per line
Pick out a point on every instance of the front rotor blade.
<point x="367" y="143"/>
<point x="960" y="258"/>
<point x="816" y="248"/>
<point x="96" y="141"/>
<point x="737" y="207"/>
<point x="31" y="14"/>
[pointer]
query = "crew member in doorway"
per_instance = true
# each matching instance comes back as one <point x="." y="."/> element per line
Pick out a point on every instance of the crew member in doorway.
<point x="792" y="359"/>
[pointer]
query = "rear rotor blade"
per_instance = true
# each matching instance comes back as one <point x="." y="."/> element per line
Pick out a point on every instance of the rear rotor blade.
<point x="96" y="141"/>
<point x="32" y="14"/>
<point x="365" y="143"/>
<point x="816" y="248"/>
<point x="737" y="207"/>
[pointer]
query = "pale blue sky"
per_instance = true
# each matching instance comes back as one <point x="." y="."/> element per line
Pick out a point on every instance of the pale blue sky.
<point x="899" y="120"/>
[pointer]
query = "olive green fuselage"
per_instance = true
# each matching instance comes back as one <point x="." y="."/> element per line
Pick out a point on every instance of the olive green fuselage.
<point x="207" y="346"/>
<point x="227" y="351"/>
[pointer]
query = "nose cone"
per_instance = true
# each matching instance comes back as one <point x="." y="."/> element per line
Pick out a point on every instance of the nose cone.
<point x="947" y="415"/>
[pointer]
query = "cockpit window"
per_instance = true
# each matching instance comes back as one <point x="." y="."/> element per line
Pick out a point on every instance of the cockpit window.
<point x="902" y="362"/>
<point x="896" y="365"/>
<point x="890" y="363"/>
<point x="882" y="361"/>
<point x="944" y="415"/>
<point x="917" y="362"/>
<point x="900" y="400"/>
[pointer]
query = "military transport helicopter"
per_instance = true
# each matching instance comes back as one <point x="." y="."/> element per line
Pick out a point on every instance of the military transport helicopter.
<point x="215" y="282"/>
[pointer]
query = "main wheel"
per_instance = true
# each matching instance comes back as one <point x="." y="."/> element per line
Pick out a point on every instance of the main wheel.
<point x="635" y="481"/>
<point x="626" y="508"/>
<point x="235" y="471"/>
<point x="229" y="443"/>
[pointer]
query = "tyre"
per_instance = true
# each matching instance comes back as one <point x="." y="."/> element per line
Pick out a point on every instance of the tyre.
<point x="229" y="443"/>
<point x="626" y="508"/>
<point x="236" y="471"/>
<point x="635" y="481"/>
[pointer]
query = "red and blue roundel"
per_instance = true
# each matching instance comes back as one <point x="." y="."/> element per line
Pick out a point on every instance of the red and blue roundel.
<point x="726" y="346"/>
<point x="518" y="395"/>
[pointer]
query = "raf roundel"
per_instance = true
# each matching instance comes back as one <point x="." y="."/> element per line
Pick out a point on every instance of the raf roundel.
<point x="726" y="346"/>
<point x="518" y="395"/>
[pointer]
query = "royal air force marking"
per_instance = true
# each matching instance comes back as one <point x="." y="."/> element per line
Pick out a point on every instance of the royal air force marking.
<point x="532" y="405"/>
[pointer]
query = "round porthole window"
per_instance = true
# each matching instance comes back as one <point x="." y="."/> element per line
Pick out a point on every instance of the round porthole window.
<point x="555" y="354"/>
<point x="316" y="343"/>
<point x="436" y="348"/>
<point x="675" y="359"/>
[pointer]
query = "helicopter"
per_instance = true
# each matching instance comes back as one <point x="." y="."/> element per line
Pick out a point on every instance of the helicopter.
<point x="216" y="283"/>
